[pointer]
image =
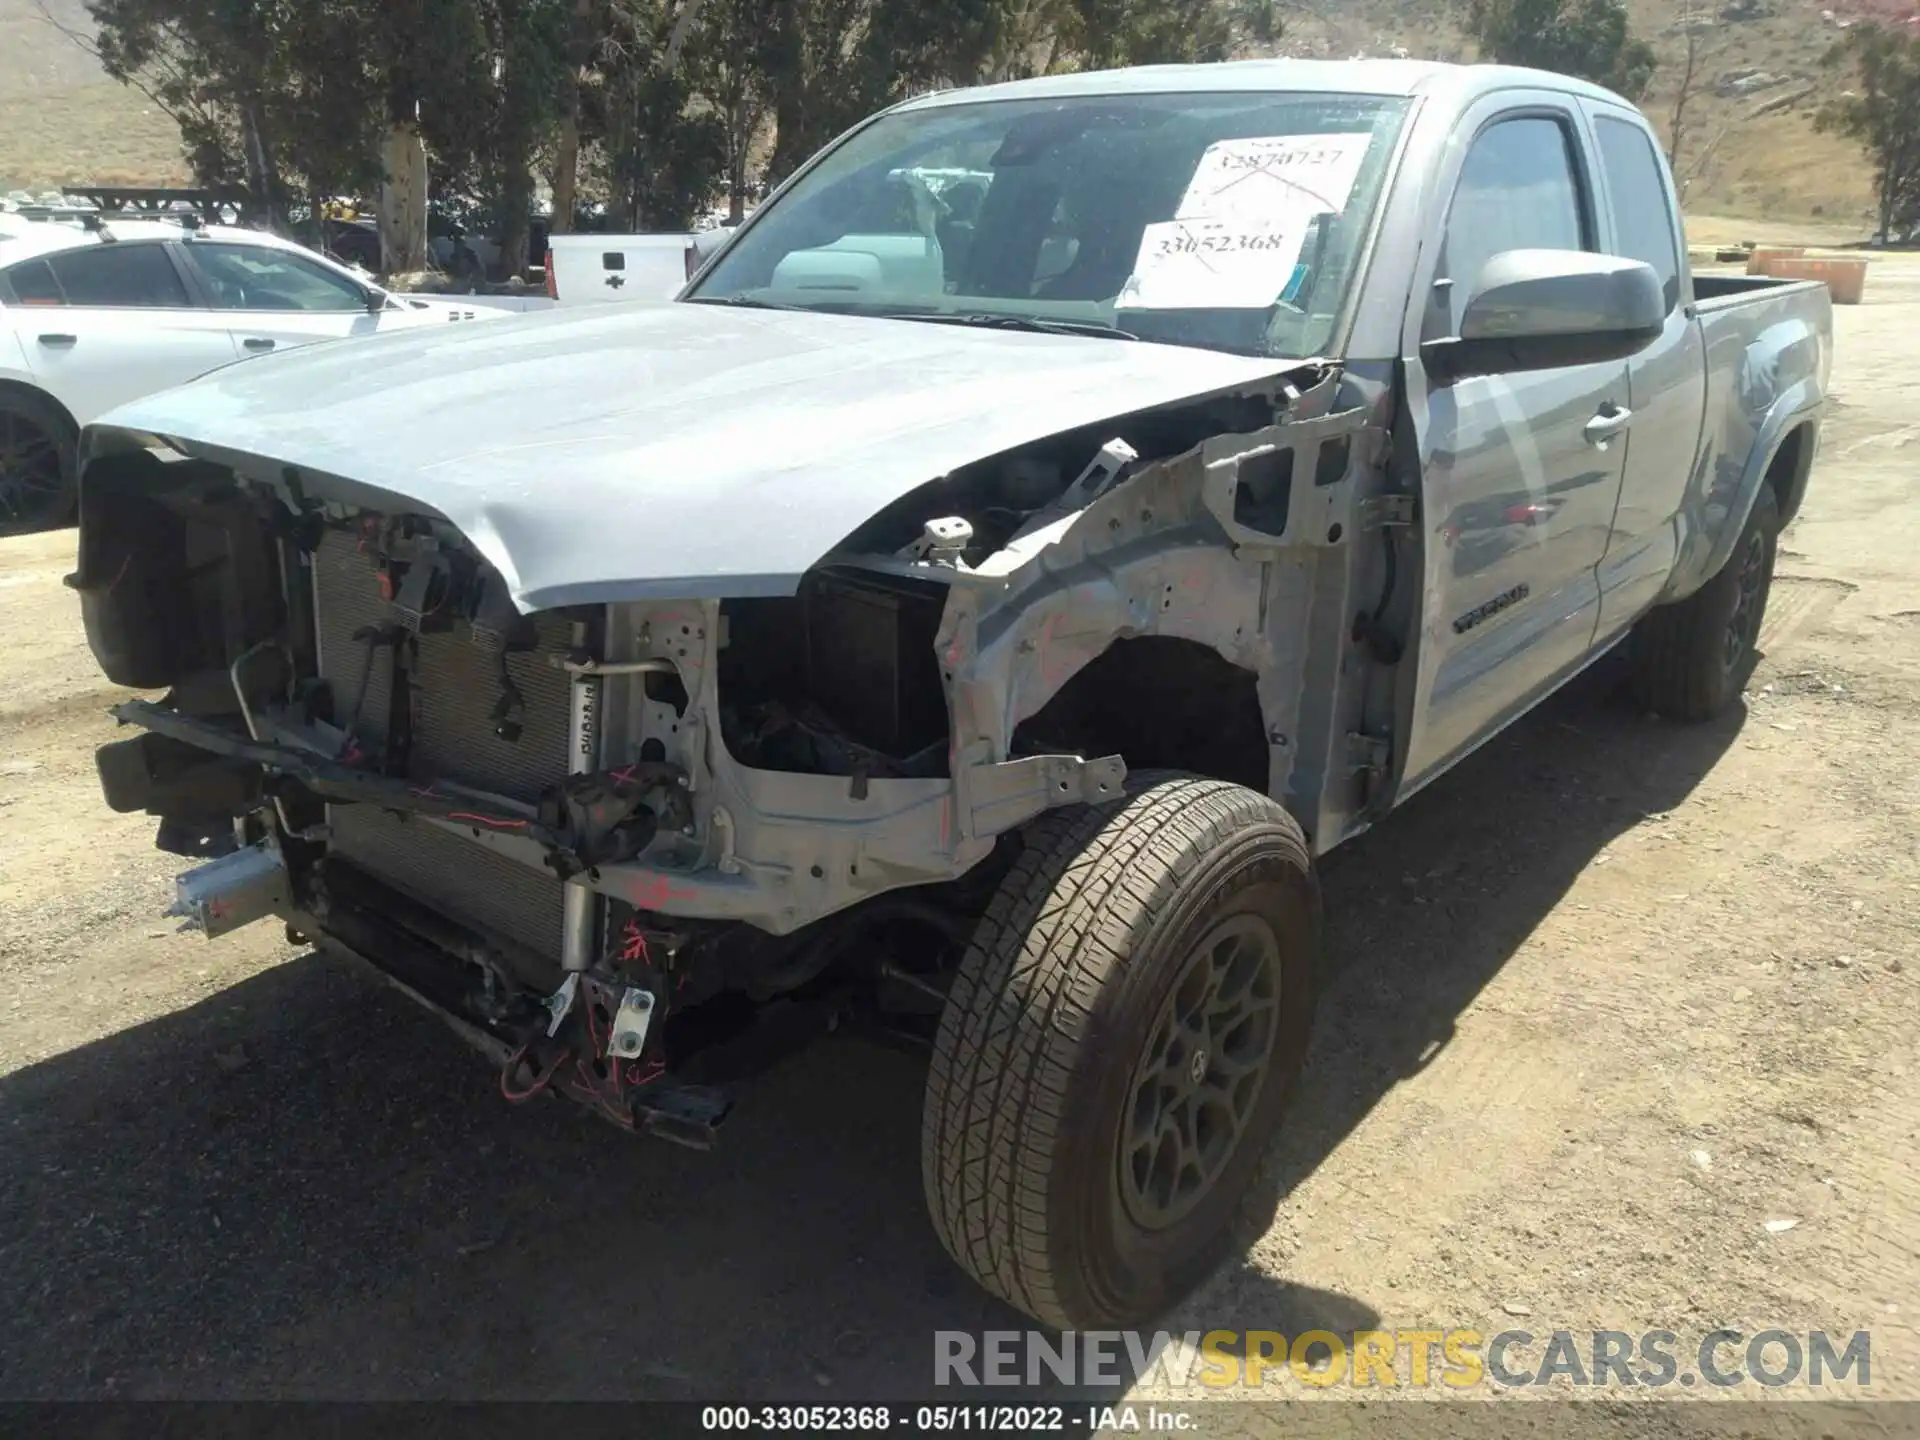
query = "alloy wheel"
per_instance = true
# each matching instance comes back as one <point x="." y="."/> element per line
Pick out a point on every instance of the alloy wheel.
<point x="1743" y="626"/>
<point x="1198" y="1084"/>
<point x="32" y="486"/>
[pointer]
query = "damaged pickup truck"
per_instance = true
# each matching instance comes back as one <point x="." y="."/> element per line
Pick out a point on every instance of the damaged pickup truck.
<point x="1061" y="513"/>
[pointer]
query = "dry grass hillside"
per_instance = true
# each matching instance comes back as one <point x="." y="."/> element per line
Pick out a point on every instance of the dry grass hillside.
<point x="1749" y="148"/>
<point x="61" y="120"/>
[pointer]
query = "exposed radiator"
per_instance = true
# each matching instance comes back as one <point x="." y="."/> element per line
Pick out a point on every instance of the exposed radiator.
<point x="455" y="684"/>
<point x="463" y="881"/>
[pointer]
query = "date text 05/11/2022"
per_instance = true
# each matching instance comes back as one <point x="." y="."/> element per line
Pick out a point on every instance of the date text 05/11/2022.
<point x="996" y="1419"/>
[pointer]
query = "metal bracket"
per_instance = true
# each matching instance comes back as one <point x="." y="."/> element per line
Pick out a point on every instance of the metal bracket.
<point x="1388" y="510"/>
<point x="630" y="1023"/>
<point x="1368" y="754"/>
<point x="1098" y="477"/>
<point x="581" y="665"/>
<point x="560" y="1002"/>
<point x="1001" y="796"/>
<point x="942" y="542"/>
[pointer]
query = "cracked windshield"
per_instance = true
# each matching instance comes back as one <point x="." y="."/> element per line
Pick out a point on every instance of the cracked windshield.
<point x="1225" y="221"/>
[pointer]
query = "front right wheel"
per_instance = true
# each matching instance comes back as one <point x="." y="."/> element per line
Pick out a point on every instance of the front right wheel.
<point x="1117" y="1048"/>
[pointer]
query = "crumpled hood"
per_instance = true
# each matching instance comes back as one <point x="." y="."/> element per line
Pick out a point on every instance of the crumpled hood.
<point x="659" y="451"/>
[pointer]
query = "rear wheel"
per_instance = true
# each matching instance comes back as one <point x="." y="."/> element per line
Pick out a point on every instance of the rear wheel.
<point x="38" y="486"/>
<point x="1118" y="1046"/>
<point x="1691" y="658"/>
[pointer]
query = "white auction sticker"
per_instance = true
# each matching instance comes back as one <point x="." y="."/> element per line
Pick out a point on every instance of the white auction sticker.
<point x="1275" y="177"/>
<point x="1212" y="263"/>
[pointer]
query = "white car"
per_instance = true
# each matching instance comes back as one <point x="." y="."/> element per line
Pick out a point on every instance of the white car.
<point x="91" y="317"/>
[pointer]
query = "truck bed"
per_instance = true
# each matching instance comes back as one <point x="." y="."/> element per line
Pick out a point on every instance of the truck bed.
<point x="1717" y="292"/>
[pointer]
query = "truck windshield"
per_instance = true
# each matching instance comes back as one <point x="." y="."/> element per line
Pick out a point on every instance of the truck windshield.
<point x="1227" y="221"/>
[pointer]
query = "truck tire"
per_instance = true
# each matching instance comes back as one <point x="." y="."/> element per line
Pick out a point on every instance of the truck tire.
<point x="38" y="464"/>
<point x="1117" y="1047"/>
<point x="1691" y="658"/>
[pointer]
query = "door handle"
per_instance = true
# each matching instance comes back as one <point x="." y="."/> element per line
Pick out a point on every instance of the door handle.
<point x="257" y="342"/>
<point x="59" y="342"/>
<point x="1611" y="420"/>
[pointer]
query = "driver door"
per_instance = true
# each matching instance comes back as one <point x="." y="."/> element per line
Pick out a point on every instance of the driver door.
<point x="1520" y="471"/>
<point x="111" y="322"/>
<point x="274" y="299"/>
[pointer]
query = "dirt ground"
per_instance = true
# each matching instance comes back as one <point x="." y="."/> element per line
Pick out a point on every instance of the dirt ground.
<point x="1601" y="1005"/>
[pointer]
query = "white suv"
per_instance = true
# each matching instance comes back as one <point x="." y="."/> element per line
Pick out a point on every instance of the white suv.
<point x="94" y="316"/>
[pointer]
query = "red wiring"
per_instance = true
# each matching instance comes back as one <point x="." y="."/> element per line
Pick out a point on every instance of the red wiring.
<point x="520" y="1097"/>
<point x="645" y="1075"/>
<point x="603" y="1092"/>
<point x="491" y="822"/>
<point x="633" y="949"/>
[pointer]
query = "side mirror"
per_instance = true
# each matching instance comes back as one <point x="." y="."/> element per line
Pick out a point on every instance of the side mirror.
<point x="376" y="300"/>
<point x="1535" y="309"/>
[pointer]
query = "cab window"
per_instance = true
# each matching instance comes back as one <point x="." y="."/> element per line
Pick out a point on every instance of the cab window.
<point x="257" y="277"/>
<point x="1519" y="189"/>
<point x="30" y="283"/>
<point x="1642" y="214"/>
<point x="120" y="275"/>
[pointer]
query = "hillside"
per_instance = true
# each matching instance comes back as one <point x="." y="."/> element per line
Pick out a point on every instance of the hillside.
<point x="1749" y="148"/>
<point x="62" y="120"/>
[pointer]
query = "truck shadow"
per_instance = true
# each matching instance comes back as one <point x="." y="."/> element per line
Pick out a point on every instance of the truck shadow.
<point x="1425" y="909"/>
<point x="303" y="1187"/>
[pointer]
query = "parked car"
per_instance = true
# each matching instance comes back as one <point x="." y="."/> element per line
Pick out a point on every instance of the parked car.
<point x="94" y="315"/>
<point x="354" y="242"/>
<point x="976" y="641"/>
<point x="597" y="269"/>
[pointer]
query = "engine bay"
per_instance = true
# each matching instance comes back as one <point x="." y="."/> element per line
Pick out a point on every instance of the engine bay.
<point x="625" y="846"/>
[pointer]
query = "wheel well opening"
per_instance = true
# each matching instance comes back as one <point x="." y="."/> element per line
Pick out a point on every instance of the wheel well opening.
<point x="1787" y="473"/>
<point x="41" y="397"/>
<point x="1160" y="703"/>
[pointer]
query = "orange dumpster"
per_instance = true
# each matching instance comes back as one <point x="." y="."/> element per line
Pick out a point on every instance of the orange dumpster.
<point x="1762" y="254"/>
<point x="1845" y="279"/>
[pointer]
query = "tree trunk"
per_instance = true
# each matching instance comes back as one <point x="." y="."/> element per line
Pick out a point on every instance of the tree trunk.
<point x="737" y="181"/>
<point x="1677" y="130"/>
<point x="787" y="84"/>
<point x="626" y="142"/>
<point x="515" y="221"/>
<point x="403" y="201"/>
<point x="263" y="180"/>
<point x="516" y="224"/>
<point x="566" y="163"/>
<point x="1886" y="202"/>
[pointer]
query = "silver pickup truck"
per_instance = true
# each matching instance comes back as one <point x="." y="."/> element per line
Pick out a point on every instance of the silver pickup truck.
<point x="1060" y="514"/>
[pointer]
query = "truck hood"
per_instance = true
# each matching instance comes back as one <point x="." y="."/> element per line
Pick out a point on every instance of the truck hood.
<point x="658" y="451"/>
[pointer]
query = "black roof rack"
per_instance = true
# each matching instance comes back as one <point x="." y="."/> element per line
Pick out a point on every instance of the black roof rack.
<point x="215" y="205"/>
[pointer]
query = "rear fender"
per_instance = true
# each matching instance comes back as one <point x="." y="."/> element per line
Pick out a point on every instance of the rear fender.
<point x="1716" y="513"/>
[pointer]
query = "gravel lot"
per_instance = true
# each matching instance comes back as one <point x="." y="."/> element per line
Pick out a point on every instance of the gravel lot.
<point x="1602" y="1004"/>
